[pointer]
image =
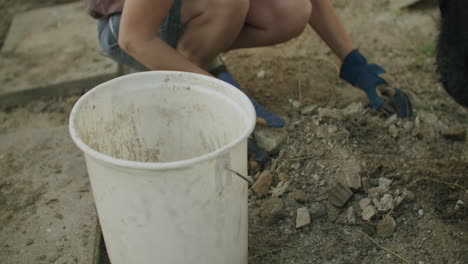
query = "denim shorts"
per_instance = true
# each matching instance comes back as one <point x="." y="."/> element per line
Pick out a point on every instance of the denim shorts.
<point x="108" y="33"/>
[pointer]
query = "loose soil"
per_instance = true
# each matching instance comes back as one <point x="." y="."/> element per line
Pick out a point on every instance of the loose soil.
<point x="329" y="143"/>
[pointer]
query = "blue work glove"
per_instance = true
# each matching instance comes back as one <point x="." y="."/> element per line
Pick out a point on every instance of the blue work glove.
<point x="382" y="96"/>
<point x="271" y="119"/>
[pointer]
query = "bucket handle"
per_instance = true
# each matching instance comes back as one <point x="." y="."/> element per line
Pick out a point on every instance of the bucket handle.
<point x="249" y="182"/>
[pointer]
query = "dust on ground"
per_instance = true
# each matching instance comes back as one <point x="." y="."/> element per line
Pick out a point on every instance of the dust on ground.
<point x="427" y="169"/>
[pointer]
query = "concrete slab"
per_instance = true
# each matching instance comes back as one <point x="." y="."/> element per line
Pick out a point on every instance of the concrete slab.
<point x="52" y="52"/>
<point x="47" y="212"/>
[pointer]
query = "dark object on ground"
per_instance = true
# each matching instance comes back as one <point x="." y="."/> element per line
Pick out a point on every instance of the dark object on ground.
<point x="452" y="49"/>
<point x="258" y="153"/>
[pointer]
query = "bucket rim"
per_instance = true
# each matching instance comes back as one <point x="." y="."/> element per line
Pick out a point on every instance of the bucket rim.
<point x="101" y="157"/>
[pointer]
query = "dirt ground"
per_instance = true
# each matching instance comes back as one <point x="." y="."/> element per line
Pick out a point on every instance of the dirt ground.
<point x="340" y="137"/>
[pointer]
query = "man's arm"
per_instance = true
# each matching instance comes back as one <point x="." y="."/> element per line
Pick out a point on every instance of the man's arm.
<point x="329" y="27"/>
<point x="137" y="36"/>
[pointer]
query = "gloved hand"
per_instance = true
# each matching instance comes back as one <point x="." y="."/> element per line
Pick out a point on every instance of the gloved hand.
<point x="271" y="119"/>
<point x="368" y="77"/>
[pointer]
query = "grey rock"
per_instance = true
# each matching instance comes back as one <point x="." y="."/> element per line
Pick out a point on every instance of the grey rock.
<point x="393" y="131"/>
<point x="339" y="194"/>
<point x="283" y="176"/>
<point x="300" y="196"/>
<point x="384" y="183"/>
<point x="398" y="201"/>
<point x="352" y="108"/>
<point x="270" y="139"/>
<point x="386" y="203"/>
<point x="377" y="191"/>
<point x="261" y="74"/>
<point x="303" y="217"/>
<point x="420" y="212"/>
<point x="329" y="113"/>
<point x="351" y="215"/>
<point x="332" y="212"/>
<point x="295" y="104"/>
<point x="386" y="226"/>
<point x="376" y="202"/>
<point x="280" y="189"/>
<point x="364" y="203"/>
<point x="455" y="133"/>
<point x="400" y="4"/>
<point x="430" y="119"/>
<point x="309" y="109"/>
<point x="408" y="125"/>
<point x="317" y="210"/>
<point x="391" y="120"/>
<point x="365" y="184"/>
<point x="272" y="210"/>
<point x="368" y="213"/>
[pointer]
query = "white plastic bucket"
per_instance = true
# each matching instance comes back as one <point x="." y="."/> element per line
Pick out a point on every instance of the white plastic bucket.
<point x="156" y="146"/>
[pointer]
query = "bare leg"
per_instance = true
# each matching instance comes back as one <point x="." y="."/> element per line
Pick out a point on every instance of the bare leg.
<point x="271" y="22"/>
<point x="211" y="26"/>
<point x="214" y="26"/>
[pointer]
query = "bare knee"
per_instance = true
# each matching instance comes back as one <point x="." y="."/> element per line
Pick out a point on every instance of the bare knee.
<point x="291" y="17"/>
<point x="210" y="27"/>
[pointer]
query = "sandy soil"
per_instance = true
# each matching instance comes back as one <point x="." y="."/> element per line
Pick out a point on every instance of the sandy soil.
<point x="430" y="169"/>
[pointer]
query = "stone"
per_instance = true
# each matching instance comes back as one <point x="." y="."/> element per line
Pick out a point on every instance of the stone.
<point x="386" y="226"/>
<point x="309" y="109"/>
<point x="261" y="74"/>
<point x="408" y="195"/>
<point x="283" y="176"/>
<point x="376" y="202"/>
<point x="353" y="179"/>
<point x="263" y="183"/>
<point x="353" y="108"/>
<point x="393" y="131"/>
<point x="368" y="213"/>
<point x="400" y="4"/>
<point x="332" y="212"/>
<point x="296" y="166"/>
<point x="368" y="229"/>
<point x="398" y="201"/>
<point x="377" y="191"/>
<point x="33" y="42"/>
<point x="408" y="125"/>
<point x="365" y="184"/>
<point x="420" y="212"/>
<point x="300" y="196"/>
<point x="364" y="203"/>
<point x="303" y="217"/>
<point x="339" y="194"/>
<point x="351" y="215"/>
<point x="455" y="133"/>
<point x="384" y="183"/>
<point x="391" y="120"/>
<point x="317" y="210"/>
<point x="430" y="119"/>
<point x="272" y="210"/>
<point x="386" y="203"/>
<point x="269" y="139"/>
<point x="296" y="104"/>
<point x="332" y="113"/>
<point x="322" y="131"/>
<point x="459" y="205"/>
<point x="280" y="189"/>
